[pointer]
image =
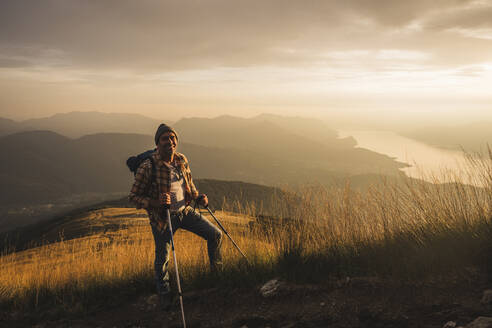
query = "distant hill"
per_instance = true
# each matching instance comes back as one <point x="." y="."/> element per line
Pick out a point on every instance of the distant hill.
<point x="10" y="126"/>
<point x="77" y="124"/>
<point x="471" y="137"/>
<point x="259" y="133"/>
<point x="44" y="165"/>
<point x="309" y="128"/>
<point x="279" y="149"/>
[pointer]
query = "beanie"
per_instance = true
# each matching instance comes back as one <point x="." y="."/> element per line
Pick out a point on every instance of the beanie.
<point x="163" y="128"/>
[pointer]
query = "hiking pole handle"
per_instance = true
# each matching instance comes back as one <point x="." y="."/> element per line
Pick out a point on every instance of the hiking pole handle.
<point x="225" y="231"/>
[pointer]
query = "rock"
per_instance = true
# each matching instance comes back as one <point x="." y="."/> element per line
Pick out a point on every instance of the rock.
<point x="150" y="303"/>
<point x="322" y="304"/>
<point x="480" y="322"/>
<point x="449" y="324"/>
<point x="487" y="297"/>
<point x="271" y="288"/>
<point x="343" y="282"/>
<point x="152" y="299"/>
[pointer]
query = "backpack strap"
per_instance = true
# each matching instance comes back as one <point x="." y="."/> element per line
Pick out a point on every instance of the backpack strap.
<point x="153" y="176"/>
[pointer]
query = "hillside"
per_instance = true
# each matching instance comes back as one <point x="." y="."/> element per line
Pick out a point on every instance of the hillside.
<point x="88" y="223"/>
<point x="21" y="231"/>
<point x="390" y="258"/>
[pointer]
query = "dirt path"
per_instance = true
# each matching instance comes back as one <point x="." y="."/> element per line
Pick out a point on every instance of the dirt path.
<point x="360" y="302"/>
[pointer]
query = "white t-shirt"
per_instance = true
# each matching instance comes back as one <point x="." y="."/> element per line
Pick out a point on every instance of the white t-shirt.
<point x="177" y="188"/>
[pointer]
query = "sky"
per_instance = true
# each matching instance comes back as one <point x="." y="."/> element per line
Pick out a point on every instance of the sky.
<point x="359" y="60"/>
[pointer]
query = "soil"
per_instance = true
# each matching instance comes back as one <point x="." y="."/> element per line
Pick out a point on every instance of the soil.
<point x="343" y="303"/>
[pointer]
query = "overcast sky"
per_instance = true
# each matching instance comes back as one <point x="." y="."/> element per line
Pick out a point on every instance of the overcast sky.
<point x="404" y="60"/>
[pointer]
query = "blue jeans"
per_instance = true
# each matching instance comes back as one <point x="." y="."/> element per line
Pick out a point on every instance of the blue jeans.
<point x="191" y="221"/>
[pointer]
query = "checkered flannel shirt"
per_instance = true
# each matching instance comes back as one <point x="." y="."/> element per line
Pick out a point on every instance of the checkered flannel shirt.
<point x="143" y="189"/>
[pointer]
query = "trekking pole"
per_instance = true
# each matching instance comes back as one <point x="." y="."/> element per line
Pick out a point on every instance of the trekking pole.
<point x="168" y="215"/>
<point x="225" y="231"/>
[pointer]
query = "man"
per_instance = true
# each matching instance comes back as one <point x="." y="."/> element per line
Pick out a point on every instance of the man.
<point x="172" y="185"/>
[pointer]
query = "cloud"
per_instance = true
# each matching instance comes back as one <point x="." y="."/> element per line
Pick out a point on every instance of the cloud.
<point x="13" y="63"/>
<point x="152" y="35"/>
<point x="476" y="17"/>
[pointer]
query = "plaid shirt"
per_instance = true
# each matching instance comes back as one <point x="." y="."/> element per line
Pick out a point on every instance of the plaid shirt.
<point x="143" y="189"/>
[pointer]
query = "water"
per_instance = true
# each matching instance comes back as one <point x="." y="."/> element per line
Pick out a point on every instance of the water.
<point x="427" y="162"/>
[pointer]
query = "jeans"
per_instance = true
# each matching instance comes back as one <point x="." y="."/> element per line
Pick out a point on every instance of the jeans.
<point x="191" y="221"/>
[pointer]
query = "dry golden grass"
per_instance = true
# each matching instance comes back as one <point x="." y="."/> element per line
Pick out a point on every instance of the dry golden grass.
<point x="109" y="256"/>
<point x="401" y="227"/>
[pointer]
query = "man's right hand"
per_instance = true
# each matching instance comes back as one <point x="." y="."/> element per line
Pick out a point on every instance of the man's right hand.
<point x="164" y="199"/>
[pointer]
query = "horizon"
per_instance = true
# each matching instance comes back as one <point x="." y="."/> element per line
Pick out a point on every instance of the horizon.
<point x="405" y="63"/>
<point x="341" y="123"/>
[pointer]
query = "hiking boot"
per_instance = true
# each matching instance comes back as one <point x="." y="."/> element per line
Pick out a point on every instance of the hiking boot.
<point x="216" y="268"/>
<point x="163" y="287"/>
<point x="164" y="292"/>
<point x="165" y="301"/>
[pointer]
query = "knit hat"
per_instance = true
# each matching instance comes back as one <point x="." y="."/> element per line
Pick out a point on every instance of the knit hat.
<point x="163" y="128"/>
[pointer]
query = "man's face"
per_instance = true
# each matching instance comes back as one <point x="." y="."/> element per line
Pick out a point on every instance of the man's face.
<point x="167" y="143"/>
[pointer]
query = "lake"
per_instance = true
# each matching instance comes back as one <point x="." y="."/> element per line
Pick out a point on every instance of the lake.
<point x="427" y="162"/>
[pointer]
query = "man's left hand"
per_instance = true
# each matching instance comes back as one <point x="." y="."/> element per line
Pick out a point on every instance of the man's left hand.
<point x="202" y="200"/>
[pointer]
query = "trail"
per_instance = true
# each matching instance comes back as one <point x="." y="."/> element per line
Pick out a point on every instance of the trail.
<point x="355" y="302"/>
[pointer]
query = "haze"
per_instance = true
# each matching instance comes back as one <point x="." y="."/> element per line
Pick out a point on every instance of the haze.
<point x="356" y="60"/>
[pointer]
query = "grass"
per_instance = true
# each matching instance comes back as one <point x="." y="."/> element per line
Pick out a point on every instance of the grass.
<point x="406" y="230"/>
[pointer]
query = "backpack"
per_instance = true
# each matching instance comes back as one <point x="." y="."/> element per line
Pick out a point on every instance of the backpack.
<point x="134" y="162"/>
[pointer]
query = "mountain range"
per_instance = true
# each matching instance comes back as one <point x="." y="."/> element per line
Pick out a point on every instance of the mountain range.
<point x="78" y="124"/>
<point x="42" y="166"/>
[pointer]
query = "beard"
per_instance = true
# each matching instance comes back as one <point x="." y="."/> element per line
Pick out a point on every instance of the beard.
<point x="167" y="151"/>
